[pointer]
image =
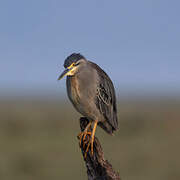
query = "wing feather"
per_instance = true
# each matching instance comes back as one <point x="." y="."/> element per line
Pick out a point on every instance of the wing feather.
<point x="106" y="98"/>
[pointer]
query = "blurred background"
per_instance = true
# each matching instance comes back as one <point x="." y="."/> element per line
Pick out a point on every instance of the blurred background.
<point x="136" y="42"/>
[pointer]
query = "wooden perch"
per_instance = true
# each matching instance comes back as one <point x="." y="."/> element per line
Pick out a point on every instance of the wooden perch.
<point x="97" y="167"/>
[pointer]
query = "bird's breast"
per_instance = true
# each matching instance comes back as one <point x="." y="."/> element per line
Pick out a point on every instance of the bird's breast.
<point x="81" y="91"/>
<point x="73" y="89"/>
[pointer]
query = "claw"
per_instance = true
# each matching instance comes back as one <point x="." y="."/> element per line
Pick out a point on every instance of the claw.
<point x="88" y="146"/>
<point x="82" y="137"/>
<point x="91" y="142"/>
<point x="84" y="134"/>
<point x="85" y="142"/>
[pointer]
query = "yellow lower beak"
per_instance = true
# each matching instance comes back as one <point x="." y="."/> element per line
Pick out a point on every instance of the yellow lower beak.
<point x="64" y="73"/>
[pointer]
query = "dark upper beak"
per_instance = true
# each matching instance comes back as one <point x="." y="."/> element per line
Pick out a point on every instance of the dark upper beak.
<point x="64" y="74"/>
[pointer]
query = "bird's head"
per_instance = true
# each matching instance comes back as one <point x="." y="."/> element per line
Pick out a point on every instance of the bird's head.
<point x="72" y="64"/>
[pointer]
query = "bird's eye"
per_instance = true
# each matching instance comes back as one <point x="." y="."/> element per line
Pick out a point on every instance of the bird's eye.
<point x="77" y="63"/>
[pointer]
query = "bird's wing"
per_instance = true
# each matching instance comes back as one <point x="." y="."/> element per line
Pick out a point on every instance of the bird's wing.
<point x="106" y="98"/>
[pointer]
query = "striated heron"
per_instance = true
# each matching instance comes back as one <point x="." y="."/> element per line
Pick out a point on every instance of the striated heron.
<point x="92" y="93"/>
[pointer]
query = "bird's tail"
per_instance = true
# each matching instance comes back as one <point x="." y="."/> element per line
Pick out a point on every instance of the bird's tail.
<point x="109" y="128"/>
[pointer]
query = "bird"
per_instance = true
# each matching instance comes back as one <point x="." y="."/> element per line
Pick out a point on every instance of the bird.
<point x="92" y="93"/>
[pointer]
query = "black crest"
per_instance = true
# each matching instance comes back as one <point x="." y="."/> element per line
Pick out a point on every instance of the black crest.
<point x="72" y="58"/>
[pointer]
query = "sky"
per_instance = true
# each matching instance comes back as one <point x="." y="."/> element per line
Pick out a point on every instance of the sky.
<point x="136" y="42"/>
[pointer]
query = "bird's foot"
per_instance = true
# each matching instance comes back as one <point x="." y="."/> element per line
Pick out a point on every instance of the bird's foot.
<point x="88" y="137"/>
<point x="82" y="137"/>
<point x="90" y="143"/>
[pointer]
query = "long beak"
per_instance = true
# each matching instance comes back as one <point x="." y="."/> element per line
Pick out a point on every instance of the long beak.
<point x="64" y="73"/>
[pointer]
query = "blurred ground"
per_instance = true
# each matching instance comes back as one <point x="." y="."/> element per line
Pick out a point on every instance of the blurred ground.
<point x="38" y="140"/>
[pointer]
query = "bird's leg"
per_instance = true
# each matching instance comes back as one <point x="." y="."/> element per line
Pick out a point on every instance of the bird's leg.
<point x="84" y="133"/>
<point x="91" y="140"/>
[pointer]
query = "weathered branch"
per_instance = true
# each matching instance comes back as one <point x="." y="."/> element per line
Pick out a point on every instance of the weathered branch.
<point x="97" y="167"/>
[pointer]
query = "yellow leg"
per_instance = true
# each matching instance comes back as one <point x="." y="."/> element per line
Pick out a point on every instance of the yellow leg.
<point x="84" y="133"/>
<point x="92" y="139"/>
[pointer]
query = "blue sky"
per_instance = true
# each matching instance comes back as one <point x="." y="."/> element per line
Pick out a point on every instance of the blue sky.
<point x="136" y="42"/>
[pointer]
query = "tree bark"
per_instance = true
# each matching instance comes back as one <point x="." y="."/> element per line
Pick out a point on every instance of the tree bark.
<point x="97" y="167"/>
